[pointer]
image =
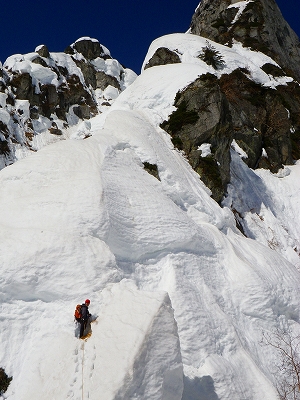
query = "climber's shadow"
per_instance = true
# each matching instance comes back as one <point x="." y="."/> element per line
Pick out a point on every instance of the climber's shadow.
<point x="199" y="389"/>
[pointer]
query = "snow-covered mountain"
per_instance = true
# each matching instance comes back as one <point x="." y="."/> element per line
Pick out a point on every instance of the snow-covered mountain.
<point x="184" y="288"/>
<point x="44" y="95"/>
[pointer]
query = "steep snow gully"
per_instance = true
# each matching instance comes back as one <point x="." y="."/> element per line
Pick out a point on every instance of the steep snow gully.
<point x="182" y="297"/>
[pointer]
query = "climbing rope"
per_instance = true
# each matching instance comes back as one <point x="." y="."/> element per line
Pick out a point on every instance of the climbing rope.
<point x="82" y="347"/>
<point x="89" y="334"/>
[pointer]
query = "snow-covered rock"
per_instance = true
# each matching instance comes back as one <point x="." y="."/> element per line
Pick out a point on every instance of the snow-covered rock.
<point x="258" y="25"/>
<point x="238" y="94"/>
<point x="60" y="90"/>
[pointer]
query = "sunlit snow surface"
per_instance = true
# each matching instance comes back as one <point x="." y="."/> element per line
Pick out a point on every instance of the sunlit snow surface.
<point x="83" y="218"/>
<point x="189" y="47"/>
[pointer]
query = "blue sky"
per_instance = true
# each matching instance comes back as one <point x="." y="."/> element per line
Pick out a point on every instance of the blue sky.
<point x="126" y="28"/>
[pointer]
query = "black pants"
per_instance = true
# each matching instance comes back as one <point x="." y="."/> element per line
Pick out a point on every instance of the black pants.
<point x="83" y="324"/>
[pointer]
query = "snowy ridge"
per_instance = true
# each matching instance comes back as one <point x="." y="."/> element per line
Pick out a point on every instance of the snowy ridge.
<point x="189" y="47"/>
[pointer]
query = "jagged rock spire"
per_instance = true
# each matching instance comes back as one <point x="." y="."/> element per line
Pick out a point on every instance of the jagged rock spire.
<point x="257" y="24"/>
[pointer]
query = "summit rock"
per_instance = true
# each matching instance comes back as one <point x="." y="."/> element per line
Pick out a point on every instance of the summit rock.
<point x="257" y="24"/>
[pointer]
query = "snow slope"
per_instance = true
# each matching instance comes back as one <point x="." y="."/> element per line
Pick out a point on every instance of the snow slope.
<point x="104" y="365"/>
<point x="182" y="297"/>
<point x="266" y="218"/>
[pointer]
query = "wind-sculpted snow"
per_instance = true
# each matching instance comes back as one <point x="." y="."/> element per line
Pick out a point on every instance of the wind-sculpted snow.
<point x="82" y="214"/>
<point x="181" y="295"/>
<point x="258" y="197"/>
<point x="222" y="305"/>
<point x="136" y="202"/>
<point x="133" y="351"/>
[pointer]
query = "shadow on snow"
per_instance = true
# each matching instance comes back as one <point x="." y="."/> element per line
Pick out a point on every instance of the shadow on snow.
<point x="199" y="389"/>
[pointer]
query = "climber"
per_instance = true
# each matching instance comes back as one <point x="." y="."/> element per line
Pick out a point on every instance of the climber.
<point x="82" y="316"/>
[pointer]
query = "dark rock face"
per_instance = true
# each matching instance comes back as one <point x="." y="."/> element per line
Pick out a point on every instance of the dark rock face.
<point x="216" y="111"/>
<point x="22" y="86"/>
<point x="43" y="51"/>
<point x="163" y="56"/>
<point x="152" y="169"/>
<point x="260" y="27"/>
<point x="88" y="72"/>
<point x="90" y="49"/>
<point x="52" y="99"/>
<point x="202" y="117"/>
<point x="263" y="118"/>
<point x="103" y="80"/>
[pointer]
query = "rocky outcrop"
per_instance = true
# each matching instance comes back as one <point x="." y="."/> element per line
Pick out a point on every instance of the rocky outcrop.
<point x="219" y="108"/>
<point x="260" y="26"/>
<point x="265" y="123"/>
<point x="163" y="56"/>
<point x="45" y="91"/>
<point x="43" y="51"/>
<point x="151" y="169"/>
<point x="202" y="117"/>
<point x="89" y="48"/>
<point x="46" y="99"/>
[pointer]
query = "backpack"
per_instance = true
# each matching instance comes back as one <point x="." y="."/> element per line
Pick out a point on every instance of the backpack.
<point x="77" y="313"/>
<point x="84" y="312"/>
